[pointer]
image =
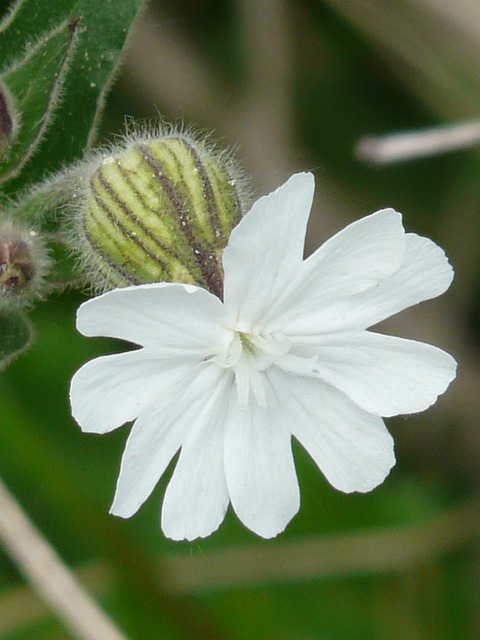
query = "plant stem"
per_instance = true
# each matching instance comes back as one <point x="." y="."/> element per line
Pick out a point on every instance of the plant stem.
<point x="46" y="572"/>
<point x="401" y="147"/>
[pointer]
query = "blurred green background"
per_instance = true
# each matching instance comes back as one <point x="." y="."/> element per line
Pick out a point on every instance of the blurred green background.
<point x="293" y="86"/>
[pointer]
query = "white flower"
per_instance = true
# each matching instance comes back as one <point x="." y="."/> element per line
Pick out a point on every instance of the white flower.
<point x="286" y="353"/>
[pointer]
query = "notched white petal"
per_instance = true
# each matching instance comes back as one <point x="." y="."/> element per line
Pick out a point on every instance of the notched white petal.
<point x="111" y="390"/>
<point x="383" y="374"/>
<point x="424" y="274"/>
<point x="353" y="261"/>
<point x="174" y="317"/>
<point x="351" y="447"/>
<point x="158" y="434"/>
<point x="264" y="249"/>
<point x="360" y="255"/>
<point x="196" y="498"/>
<point x="259" y="467"/>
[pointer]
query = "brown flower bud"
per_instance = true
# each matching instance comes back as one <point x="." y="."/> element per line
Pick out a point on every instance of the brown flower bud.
<point x="23" y="264"/>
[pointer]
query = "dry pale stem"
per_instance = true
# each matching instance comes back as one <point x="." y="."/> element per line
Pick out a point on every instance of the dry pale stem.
<point x="52" y="580"/>
<point x="400" y="147"/>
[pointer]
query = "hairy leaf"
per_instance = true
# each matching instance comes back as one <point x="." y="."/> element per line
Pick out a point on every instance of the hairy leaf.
<point x="93" y="34"/>
<point x="34" y="86"/>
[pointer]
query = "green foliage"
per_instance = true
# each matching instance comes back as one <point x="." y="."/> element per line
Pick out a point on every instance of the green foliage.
<point x="16" y="336"/>
<point x="83" y="39"/>
<point x="34" y="84"/>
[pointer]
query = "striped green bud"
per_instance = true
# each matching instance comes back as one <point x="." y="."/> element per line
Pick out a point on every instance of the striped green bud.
<point x="159" y="209"/>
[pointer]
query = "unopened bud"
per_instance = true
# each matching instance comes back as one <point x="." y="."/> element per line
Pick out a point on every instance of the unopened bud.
<point x="159" y="209"/>
<point x="23" y="264"/>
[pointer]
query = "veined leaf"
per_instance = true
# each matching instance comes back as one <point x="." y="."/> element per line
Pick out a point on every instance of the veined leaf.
<point x="94" y="35"/>
<point x="34" y="84"/>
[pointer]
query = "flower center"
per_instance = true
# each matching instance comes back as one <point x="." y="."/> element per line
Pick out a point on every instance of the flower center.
<point x="250" y="354"/>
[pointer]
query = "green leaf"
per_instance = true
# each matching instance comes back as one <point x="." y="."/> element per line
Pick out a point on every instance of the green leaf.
<point x="15" y="336"/>
<point x="94" y="34"/>
<point x="34" y="84"/>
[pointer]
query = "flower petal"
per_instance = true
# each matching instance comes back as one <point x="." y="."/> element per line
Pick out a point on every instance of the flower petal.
<point x="351" y="262"/>
<point x="111" y="390"/>
<point x="175" y="318"/>
<point x="196" y="498"/>
<point x="351" y="447"/>
<point x="383" y="374"/>
<point x="259" y="467"/>
<point x="358" y="256"/>
<point x="424" y="274"/>
<point x="158" y="434"/>
<point x="265" y="247"/>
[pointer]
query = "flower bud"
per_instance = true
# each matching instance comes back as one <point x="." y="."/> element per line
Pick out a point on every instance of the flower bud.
<point x="23" y="264"/>
<point x="158" y="209"/>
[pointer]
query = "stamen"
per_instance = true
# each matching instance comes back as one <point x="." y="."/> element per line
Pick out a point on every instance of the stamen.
<point x="249" y="355"/>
